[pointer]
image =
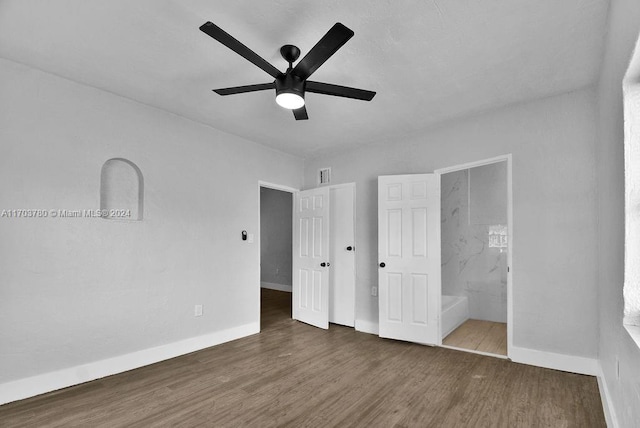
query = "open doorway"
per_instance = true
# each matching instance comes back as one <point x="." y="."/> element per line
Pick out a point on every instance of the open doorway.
<point x="276" y="210"/>
<point x="475" y="250"/>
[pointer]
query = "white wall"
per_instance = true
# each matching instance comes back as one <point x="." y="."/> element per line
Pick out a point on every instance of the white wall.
<point x="74" y="291"/>
<point x="276" y="235"/>
<point x="554" y="209"/>
<point x="615" y="343"/>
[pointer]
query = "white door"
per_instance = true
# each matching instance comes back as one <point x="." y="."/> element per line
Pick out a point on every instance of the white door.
<point x="311" y="257"/>
<point x="409" y="257"/>
<point x="342" y="275"/>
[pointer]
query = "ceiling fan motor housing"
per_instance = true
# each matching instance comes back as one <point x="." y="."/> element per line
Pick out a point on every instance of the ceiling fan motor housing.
<point x="289" y="83"/>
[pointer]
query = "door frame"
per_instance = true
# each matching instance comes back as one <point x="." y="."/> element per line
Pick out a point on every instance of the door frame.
<point x="469" y="165"/>
<point x="282" y="188"/>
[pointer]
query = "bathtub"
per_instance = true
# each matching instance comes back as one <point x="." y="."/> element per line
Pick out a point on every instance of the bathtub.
<point x="455" y="311"/>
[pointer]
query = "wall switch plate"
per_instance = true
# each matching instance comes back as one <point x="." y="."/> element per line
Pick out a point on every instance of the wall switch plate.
<point x="374" y="291"/>
<point x="198" y="310"/>
<point x="250" y="238"/>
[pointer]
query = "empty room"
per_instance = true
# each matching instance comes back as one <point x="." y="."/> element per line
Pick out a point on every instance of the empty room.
<point x="319" y="214"/>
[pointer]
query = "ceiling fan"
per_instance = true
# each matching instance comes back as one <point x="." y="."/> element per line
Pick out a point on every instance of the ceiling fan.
<point x="291" y="85"/>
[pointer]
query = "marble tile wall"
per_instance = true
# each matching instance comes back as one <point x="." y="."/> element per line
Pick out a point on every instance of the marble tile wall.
<point x="470" y="267"/>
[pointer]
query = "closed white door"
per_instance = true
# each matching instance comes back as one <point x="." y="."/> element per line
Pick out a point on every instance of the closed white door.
<point x="409" y="257"/>
<point x="311" y="257"/>
<point x="342" y="275"/>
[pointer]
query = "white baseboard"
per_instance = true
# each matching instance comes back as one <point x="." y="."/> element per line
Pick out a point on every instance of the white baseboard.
<point x="367" y="327"/>
<point x="607" y="404"/>
<point x="274" y="286"/>
<point x="47" y="382"/>
<point x="550" y="360"/>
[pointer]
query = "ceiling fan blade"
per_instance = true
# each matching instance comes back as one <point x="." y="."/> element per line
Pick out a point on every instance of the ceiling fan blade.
<point x="243" y="89"/>
<point x="223" y="37"/>
<point x="339" y="91"/>
<point x="300" y="113"/>
<point x="329" y="44"/>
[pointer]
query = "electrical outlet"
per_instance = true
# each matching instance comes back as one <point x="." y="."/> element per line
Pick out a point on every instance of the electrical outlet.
<point x="198" y="310"/>
<point x="374" y="291"/>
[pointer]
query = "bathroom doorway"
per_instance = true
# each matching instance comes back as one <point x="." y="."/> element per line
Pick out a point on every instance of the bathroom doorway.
<point x="476" y="256"/>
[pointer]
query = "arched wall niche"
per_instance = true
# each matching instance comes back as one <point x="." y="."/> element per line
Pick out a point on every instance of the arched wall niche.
<point x="121" y="190"/>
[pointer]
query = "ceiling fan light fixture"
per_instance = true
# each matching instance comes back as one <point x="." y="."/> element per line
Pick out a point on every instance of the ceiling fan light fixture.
<point x="290" y="92"/>
<point x="290" y="100"/>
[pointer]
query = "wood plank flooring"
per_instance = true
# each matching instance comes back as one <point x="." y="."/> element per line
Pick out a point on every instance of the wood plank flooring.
<point x="295" y="375"/>
<point x="478" y="335"/>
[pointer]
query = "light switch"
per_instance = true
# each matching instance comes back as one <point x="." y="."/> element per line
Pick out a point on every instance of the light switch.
<point x="250" y="238"/>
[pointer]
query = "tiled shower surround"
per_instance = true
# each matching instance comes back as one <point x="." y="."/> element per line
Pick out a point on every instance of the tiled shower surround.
<point x="474" y="202"/>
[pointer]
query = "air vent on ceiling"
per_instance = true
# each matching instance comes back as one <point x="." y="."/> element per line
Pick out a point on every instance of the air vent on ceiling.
<point x="324" y="175"/>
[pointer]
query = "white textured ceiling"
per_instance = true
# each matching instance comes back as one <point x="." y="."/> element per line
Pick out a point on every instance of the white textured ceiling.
<point x="429" y="61"/>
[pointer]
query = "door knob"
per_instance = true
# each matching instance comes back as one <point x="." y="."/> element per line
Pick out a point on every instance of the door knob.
<point x="323" y="264"/>
<point x="382" y="264"/>
<point x="349" y="248"/>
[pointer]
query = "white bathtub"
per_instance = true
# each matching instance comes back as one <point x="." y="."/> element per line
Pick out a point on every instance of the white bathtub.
<point x="455" y="311"/>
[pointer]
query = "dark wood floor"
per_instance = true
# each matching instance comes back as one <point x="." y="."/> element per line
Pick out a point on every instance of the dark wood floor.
<point x="294" y="375"/>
